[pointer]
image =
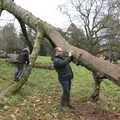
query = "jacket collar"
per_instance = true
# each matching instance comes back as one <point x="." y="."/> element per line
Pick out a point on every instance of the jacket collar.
<point x="59" y="56"/>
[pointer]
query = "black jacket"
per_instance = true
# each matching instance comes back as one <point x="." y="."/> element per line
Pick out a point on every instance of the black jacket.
<point x="61" y="65"/>
<point x="23" y="57"/>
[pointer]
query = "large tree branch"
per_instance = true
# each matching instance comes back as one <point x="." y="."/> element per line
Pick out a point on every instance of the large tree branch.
<point x="80" y="56"/>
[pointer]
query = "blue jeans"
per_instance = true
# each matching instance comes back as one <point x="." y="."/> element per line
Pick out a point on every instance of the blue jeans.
<point x="66" y="86"/>
<point x="19" y="71"/>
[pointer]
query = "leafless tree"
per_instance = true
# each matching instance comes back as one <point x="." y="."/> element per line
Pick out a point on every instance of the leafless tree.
<point x="9" y="39"/>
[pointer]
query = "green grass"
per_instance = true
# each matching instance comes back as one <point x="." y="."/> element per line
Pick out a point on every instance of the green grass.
<point x="43" y="59"/>
<point x="40" y="96"/>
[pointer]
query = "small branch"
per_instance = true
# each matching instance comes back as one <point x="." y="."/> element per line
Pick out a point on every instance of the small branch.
<point x="48" y="66"/>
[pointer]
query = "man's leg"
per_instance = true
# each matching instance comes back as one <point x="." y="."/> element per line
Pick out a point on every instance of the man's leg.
<point x="15" y="75"/>
<point x="17" y="71"/>
<point x="68" y="97"/>
<point x="64" y="98"/>
<point x="20" y="71"/>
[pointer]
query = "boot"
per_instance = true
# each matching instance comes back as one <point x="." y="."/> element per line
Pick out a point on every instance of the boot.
<point x="68" y="103"/>
<point x="64" y="107"/>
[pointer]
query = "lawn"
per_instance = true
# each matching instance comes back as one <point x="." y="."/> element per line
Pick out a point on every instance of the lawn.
<point x="39" y="98"/>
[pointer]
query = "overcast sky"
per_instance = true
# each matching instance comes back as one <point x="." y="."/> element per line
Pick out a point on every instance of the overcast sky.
<point x="44" y="9"/>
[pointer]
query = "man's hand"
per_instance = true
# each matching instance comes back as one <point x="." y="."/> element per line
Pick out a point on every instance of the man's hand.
<point x="70" y="53"/>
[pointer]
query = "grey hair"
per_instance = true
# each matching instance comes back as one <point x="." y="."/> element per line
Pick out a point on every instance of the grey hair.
<point x="26" y="49"/>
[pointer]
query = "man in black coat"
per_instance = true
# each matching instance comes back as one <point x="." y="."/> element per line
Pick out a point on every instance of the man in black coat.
<point x="65" y="75"/>
<point x="21" y="60"/>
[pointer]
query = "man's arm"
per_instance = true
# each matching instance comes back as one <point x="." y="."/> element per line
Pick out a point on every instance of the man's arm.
<point x="61" y="63"/>
<point x="27" y="58"/>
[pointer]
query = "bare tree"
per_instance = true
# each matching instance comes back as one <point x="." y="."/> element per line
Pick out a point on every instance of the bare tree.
<point x="87" y="14"/>
<point x="9" y="39"/>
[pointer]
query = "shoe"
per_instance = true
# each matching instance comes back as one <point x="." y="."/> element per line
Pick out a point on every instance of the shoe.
<point x="65" y="109"/>
<point x="16" y="79"/>
<point x="71" y="107"/>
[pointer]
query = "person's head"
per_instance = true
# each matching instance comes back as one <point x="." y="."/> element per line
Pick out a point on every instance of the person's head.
<point x="26" y="50"/>
<point x="58" y="51"/>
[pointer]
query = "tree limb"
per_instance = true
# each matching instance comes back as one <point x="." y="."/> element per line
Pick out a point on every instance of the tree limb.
<point x="80" y="56"/>
<point x="27" y="40"/>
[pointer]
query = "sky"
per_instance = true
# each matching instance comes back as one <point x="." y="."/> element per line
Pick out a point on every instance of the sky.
<point x="46" y="10"/>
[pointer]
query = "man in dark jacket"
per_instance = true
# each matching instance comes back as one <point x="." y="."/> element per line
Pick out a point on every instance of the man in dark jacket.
<point x="65" y="75"/>
<point x="21" y="60"/>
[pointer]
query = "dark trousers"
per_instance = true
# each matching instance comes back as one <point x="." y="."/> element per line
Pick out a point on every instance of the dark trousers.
<point x="66" y="86"/>
<point x="65" y="98"/>
<point x="19" y="71"/>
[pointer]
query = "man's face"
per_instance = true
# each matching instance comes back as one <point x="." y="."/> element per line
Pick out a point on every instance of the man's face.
<point x="59" y="51"/>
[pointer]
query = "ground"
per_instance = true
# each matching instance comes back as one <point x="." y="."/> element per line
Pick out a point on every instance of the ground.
<point x="39" y="98"/>
<point x="46" y="107"/>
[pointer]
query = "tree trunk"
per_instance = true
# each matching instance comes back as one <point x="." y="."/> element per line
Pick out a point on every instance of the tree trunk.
<point x="96" y="88"/>
<point x="48" y="66"/>
<point x="27" y="40"/>
<point x="80" y="56"/>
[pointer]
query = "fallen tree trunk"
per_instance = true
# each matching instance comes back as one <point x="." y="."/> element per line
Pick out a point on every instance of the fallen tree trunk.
<point x="80" y="56"/>
<point x="4" y="55"/>
<point x="48" y="66"/>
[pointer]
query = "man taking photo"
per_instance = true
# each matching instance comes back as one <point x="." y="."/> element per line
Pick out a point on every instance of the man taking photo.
<point x="65" y="75"/>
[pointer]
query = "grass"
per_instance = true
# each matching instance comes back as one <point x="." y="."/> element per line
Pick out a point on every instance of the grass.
<point x="40" y="96"/>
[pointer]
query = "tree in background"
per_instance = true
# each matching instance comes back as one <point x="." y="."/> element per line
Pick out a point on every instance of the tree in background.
<point x="9" y="39"/>
<point x="111" y="42"/>
<point x="89" y="14"/>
